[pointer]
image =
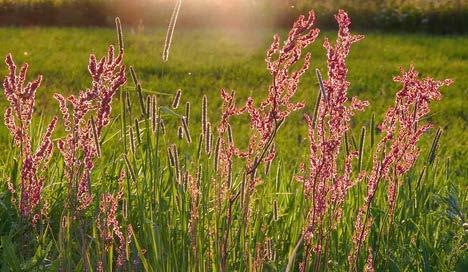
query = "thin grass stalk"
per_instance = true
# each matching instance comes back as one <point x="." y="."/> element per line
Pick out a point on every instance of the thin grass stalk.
<point x="204" y="118"/>
<point x="447" y="168"/>
<point x="187" y="111"/>
<point x="154" y="115"/>
<point x="162" y="125"/>
<point x="128" y="103"/>
<point x="208" y="139"/>
<point x="175" y="153"/>
<point x="137" y="131"/>
<point x="322" y="87"/>
<point x="216" y="154"/>
<point x="372" y="129"/>
<point x="95" y="137"/>
<point x="361" y="147"/>
<point x="435" y="144"/>
<point x="148" y="106"/>
<point x="129" y="168"/>
<point x="186" y="129"/>
<point x="180" y="133"/>
<point x="353" y="141"/>
<point x="134" y="77"/>
<point x="123" y="116"/>
<point x="230" y="137"/>
<point x="118" y="27"/>
<point x="176" y="101"/>
<point x="138" y="88"/>
<point x="170" y="155"/>
<point x="132" y="142"/>
<point x="275" y="201"/>
<point x="200" y="146"/>
<point x="346" y="143"/>
<point x="170" y="31"/>
<point x="316" y="108"/>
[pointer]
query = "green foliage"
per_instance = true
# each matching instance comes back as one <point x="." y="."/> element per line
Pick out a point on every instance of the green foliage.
<point x="427" y="234"/>
<point x="441" y="16"/>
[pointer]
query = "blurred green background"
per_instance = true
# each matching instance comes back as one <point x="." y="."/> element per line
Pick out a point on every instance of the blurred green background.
<point x="434" y="16"/>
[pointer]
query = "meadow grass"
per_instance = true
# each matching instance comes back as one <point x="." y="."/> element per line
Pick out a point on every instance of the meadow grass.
<point x="427" y="235"/>
<point x="204" y="61"/>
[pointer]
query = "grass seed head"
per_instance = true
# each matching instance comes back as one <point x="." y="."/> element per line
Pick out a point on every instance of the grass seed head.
<point x="176" y="101"/>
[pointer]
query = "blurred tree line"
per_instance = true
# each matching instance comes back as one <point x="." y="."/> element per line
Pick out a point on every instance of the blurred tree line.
<point x="434" y="16"/>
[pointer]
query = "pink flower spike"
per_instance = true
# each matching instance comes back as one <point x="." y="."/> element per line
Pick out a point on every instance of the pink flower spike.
<point x="18" y="118"/>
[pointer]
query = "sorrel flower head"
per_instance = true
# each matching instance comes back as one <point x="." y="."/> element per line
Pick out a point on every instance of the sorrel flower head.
<point x="22" y="101"/>
<point x="324" y="184"/>
<point x="332" y="105"/>
<point x="369" y="267"/>
<point x="266" y="118"/>
<point x="91" y="110"/>
<point x="18" y="117"/>
<point x="397" y="150"/>
<point x="400" y="128"/>
<point x="109" y="225"/>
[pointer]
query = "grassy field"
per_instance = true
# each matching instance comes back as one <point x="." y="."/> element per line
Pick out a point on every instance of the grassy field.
<point x="427" y="236"/>
<point x="204" y="61"/>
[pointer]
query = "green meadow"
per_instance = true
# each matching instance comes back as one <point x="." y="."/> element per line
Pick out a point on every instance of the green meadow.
<point x="205" y="61"/>
<point x="427" y="234"/>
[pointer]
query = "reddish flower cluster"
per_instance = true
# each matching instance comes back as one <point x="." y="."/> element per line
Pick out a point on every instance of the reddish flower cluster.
<point x="81" y="145"/>
<point x="268" y="116"/>
<point x="324" y="186"/>
<point x="332" y="106"/>
<point x="369" y="262"/>
<point x="277" y="106"/>
<point x="109" y="225"/>
<point x="18" y="118"/>
<point x="397" y="150"/>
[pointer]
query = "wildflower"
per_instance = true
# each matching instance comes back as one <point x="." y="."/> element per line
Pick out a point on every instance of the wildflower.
<point x="397" y="151"/>
<point x="109" y="226"/>
<point x="108" y="75"/>
<point x="277" y="106"/>
<point x="266" y="118"/>
<point x="325" y="186"/>
<point x="369" y="262"/>
<point x="18" y="117"/>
